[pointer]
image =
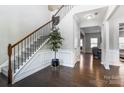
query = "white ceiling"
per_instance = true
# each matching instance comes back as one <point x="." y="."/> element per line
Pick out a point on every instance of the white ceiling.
<point x="96" y="21"/>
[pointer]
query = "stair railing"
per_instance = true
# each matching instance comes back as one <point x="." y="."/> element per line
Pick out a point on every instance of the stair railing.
<point x="64" y="10"/>
<point x="20" y="52"/>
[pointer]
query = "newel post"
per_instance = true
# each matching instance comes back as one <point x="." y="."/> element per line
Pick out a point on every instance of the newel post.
<point x="9" y="64"/>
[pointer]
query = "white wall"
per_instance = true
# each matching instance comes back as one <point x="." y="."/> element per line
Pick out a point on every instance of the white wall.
<point x="17" y="22"/>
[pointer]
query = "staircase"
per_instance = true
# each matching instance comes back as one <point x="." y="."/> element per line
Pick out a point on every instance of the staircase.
<point x="20" y="53"/>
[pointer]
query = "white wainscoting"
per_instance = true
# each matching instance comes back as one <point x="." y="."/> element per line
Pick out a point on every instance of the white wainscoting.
<point x="111" y="57"/>
<point x="43" y="59"/>
<point x="66" y="58"/>
<point x="114" y="57"/>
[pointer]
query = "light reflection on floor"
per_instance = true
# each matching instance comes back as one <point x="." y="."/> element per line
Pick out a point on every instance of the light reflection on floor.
<point x="81" y="62"/>
<point x="91" y="63"/>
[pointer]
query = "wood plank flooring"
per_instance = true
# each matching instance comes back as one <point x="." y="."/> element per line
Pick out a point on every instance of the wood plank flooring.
<point x="87" y="73"/>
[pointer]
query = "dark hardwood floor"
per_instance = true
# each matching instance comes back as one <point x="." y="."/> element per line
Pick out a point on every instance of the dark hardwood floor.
<point x="86" y="73"/>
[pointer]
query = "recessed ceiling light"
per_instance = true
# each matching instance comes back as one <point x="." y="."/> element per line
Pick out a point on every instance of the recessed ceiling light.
<point x="89" y="16"/>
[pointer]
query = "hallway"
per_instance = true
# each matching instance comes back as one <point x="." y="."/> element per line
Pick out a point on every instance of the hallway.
<point x="86" y="73"/>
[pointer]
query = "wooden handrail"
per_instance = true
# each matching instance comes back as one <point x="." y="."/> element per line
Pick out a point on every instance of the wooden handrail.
<point x="59" y="10"/>
<point x="30" y="34"/>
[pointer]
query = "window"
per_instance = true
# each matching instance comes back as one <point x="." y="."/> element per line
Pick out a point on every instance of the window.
<point x="81" y="42"/>
<point x="93" y="42"/>
<point x="121" y="42"/>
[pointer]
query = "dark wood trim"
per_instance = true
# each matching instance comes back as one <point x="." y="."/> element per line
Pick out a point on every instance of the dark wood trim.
<point x="30" y="34"/>
<point x="9" y="64"/>
<point x="59" y="10"/>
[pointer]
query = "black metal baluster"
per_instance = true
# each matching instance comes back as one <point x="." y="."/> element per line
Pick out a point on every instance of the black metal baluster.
<point x="47" y="30"/>
<point x="18" y="56"/>
<point x="35" y="42"/>
<point x="30" y="46"/>
<point x="25" y="49"/>
<point x="14" y="61"/>
<point x="22" y="53"/>
<point x="41" y="36"/>
<point x="32" y="42"/>
<point x="44" y="32"/>
<point x="37" y="39"/>
<point x="38" y="34"/>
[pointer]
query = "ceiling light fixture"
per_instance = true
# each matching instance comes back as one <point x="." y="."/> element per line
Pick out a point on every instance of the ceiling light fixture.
<point x="89" y="16"/>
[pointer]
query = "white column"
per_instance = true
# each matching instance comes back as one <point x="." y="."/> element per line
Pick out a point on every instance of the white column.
<point x="105" y="44"/>
<point x="110" y="56"/>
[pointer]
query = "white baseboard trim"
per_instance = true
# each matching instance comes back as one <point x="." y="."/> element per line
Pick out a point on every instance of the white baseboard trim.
<point x="68" y="65"/>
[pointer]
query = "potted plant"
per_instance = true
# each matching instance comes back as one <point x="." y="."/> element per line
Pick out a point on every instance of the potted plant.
<point x="55" y="42"/>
